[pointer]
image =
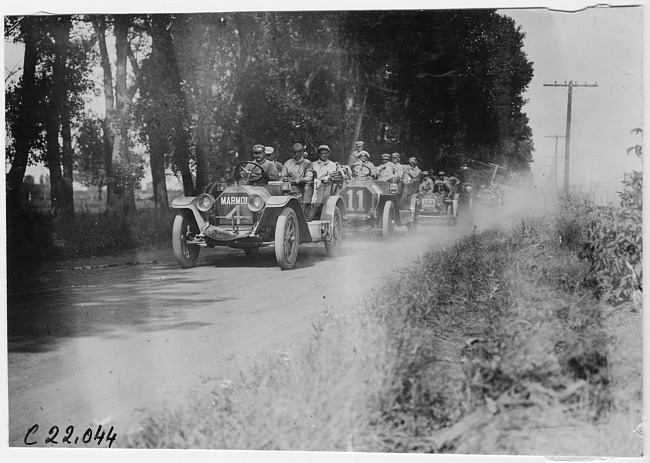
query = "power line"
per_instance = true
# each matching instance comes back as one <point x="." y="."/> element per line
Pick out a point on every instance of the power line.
<point x="567" y="143"/>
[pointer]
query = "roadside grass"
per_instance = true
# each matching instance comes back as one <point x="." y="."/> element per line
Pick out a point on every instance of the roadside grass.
<point x="492" y="346"/>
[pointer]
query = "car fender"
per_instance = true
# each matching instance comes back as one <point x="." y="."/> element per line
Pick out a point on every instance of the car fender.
<point x="189" y="203"/>
<point x="330" y="206"/>
<point x="274" y="207"/>
<point x="382" y="202"/>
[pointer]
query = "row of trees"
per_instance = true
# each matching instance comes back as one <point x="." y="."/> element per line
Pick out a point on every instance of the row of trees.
<point x="193" y="92"/>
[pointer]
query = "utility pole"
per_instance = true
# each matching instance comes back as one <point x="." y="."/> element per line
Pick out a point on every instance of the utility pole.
<point x="567" y="143"/>
<point x="554" y="159"/>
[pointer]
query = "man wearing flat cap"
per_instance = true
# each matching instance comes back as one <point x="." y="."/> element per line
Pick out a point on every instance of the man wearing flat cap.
<point x="395" y="158"/>
<point x="427" y="184"/>
<point x="386" y="171"/>
<point x="297" y="170"/>
<point x="269" y="171"/>
<point x="327" y="177"/>
<point x="410" y="180"/>
<point x="270" y="155"/>
<point x="354" y="156"/>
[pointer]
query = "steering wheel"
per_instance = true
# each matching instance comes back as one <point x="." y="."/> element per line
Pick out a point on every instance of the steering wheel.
<point x="359" y="170"/>
<point x="440" y="188"/>
<point x="248" y="170"/>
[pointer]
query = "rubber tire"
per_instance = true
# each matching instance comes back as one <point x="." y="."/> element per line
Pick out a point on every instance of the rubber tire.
<point x="186" y="255"/>
<point x="388" y="220"/>
<point x="333" y="247"/>
<point x="287" y="239"/>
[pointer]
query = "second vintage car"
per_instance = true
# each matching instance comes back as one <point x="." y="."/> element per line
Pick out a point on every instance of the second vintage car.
<point x="378" y="204"/>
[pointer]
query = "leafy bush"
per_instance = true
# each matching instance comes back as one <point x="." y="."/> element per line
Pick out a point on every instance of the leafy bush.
<point x="614" y="243"/>
<point x="614" y="246"/>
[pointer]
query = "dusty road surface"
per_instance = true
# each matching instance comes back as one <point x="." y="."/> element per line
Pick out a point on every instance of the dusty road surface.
<point x="91" y="346"/>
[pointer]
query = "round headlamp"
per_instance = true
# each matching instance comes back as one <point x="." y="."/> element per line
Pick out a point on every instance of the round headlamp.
<point x="255" y="203"/>
<point x="204" y="202"/>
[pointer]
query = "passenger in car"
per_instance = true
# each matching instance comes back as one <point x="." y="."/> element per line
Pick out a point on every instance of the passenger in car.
<point x="399" y="167"/>
<point x="412" y="171"/>
<point x="327" y="176"/>
<point x="386" y="171"/>
<point x="270" y="155"/>
<point x="441" y="188"/>
<point x="427" y="184"/>
<point x="269" y="171"/>
<point x="354" y="156"/>
<point x="410" y="181"/>
<point x="297" y="171"/>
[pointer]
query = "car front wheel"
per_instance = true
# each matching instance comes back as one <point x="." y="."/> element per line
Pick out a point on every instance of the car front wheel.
<point x="287" y="238"/>
<point x="333" y="245"/>
<point x="185" y="226"/>
<point x="388" y="220"/>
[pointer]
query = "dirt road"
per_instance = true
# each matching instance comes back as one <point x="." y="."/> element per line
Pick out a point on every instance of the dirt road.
<point x="99" y="346"/>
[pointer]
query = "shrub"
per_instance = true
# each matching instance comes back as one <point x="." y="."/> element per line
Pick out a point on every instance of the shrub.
<point x="35" y="238"/>
<point x="614" y="246"/>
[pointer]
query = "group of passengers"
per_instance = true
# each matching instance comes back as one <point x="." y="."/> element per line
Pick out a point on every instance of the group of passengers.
<point x="306" y="177"/>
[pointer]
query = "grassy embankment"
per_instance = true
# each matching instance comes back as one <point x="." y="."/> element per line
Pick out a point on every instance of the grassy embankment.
<point x="36" y="239"/>
<point x="492" y="346"/>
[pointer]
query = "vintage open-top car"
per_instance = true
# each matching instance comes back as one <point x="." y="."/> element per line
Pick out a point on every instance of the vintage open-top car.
<point x="488" y="196"/>
<point x="378" y="204"/>
<point x="439" y="206"/>
<point x="249" y="215"/>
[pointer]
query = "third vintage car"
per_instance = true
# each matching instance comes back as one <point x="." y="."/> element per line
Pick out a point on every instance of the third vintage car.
<point x="438" y="207"/>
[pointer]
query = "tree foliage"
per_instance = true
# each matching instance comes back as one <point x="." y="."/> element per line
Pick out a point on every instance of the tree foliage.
<point x="198" y="90"/>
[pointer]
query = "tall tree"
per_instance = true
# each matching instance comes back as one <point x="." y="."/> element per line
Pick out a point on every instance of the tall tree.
<point x="100" y="27"/>
<point x="61" y="99"/>
<point x="122" y="169"/>
<point x="161" y="33"/>
<point x="121" y="196"/>
<point x="26" y="128"/>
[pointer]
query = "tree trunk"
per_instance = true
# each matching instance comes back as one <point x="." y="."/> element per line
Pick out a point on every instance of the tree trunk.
<point x="180" y="139"/>
<point x="122" y="199"/>
<point x="202" y="164"/>
<point x="157" y="162"/>
<point x="57" y="190"/>
<point x="157" y="135"/>
<point x="99" y="24"/>
<point x="27" y="127"/>
<point x="62" y="38"/>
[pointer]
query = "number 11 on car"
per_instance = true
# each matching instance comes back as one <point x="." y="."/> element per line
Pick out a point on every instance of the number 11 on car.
<point x="350" y="195"/>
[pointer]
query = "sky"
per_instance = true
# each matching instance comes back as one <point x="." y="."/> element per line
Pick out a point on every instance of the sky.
<point x="597" y="45"/>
